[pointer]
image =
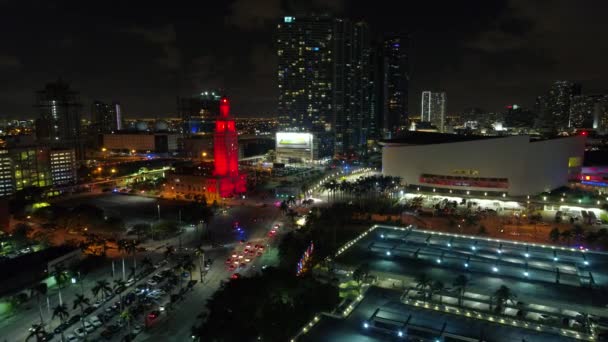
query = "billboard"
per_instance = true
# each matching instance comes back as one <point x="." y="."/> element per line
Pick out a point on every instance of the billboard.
<point x="290" y="140"/>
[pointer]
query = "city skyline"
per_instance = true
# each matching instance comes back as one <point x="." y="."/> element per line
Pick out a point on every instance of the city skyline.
<point x="483" y="55"/>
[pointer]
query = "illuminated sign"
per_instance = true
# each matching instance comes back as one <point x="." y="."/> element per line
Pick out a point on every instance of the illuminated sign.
<point x="294" y="140"/>
<point x="467" y="172"/>
<point x="575" y="161"/>
<point x="289" y="19"/>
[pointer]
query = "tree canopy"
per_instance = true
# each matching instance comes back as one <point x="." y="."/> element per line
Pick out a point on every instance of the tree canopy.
<point x="271" y="306"/>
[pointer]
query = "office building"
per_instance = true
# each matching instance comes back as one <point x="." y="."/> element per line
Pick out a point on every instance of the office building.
<point x="106" y="117"/>
<point x="589" y="111"/>
<point x="141" y="142"/>
<point x="433" y="109"/>
<point x="59" y="120"/>
<point x="554" y="107"/>
<point x="63" y="166"/>
<point x="353" y="87"/>
<point x="513" y="165"/>
<point x="198" y="112"/>
<point x="305" y="73"/>
<point x="394" y="84"/>
<point x="517" y="116"/>
<point x="6" y="174"/>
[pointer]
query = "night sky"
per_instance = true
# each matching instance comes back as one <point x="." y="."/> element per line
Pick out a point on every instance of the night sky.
<point x="482" y="53"/>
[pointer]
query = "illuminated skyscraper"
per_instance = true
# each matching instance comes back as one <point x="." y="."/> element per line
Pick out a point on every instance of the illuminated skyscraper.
<point x="433" y="109"/>
<point x="555" y="109"/>
<point x="352" y="94"/>
<point x="197" y="112"/>
<point x="59" y="121"/>
<point x="106" y="118"/>
<point x="226" y="180"/>
<point x="395" y="80"/>
<point x="304" y="49"/>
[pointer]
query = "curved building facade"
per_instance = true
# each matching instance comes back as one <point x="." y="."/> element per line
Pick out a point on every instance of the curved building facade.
<point x="513" y="165"/>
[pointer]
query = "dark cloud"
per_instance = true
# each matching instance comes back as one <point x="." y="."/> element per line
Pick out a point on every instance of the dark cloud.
<point x="9" y="62"/>
<point x="483" y="53"/>
<point x="165" y="37"/>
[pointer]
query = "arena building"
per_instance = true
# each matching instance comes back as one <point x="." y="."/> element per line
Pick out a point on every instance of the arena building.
<point x="511" y="165"/>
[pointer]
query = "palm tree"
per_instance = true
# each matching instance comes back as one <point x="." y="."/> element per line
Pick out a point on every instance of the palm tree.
<point x="81" y="301"/>
<point x="554" y="234"/>
<point x="127" y="317"/>
<point x="423" y="282"/>
<point x="118" y="284"/>
<point x="61" y="311"/>
<point x="169" y="251"/>
<point x="188" y="265"/>
<point x="40" y="289"/>
<point x="101" y="286"/>
<point x="461" y="283"/>
<point x="61" y="278"/>
<point x="437" y="287"/>
<point x="503" y="295"/>
<point x="200" y="253"/>
<point x="37" y="332"/>
<point x="567" y="235"/>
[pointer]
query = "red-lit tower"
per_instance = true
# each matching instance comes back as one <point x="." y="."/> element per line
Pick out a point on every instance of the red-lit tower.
<point x="227" y="180"/>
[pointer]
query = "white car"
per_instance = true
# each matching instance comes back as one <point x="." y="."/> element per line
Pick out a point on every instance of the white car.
<point x="97" y="303"/>
<point x="152" y="282"/>
<point x="130" y="282"/>
<point x="95" y="321"/>
<point x="71" y="338"/>
<point x="136" y="329"/>
<point x="80" y="332"/>
<point x="89" y="327"/>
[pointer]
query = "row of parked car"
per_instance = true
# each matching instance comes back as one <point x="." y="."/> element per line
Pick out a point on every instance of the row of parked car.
<point x="90" y="324"/>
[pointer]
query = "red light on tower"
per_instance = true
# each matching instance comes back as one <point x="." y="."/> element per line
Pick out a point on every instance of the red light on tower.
<point x="224" y="107"/>
<point x="226" y="153"/>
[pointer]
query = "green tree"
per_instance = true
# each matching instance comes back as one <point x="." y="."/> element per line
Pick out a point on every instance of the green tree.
<point x="567" y="236"/>
<point x="61" y="278"/>
<point x="146" y="262"/>
<point x="188" y="265"/>
<point x="503" y="295"/>
<point x="554" y="235"/>
<point x="118" y="287"/>
<point x="423" y="283"/>
<point x="20" y="235"/>
<point x="61" y="311"/>
<point x="437" y="287"/>
<point x="40" y="290"/>
<point x="361" y="272"/>
<point x="461" y="283"/>
<point x="81" y="302"/>
<point x="103" y="287"/>
<point x="169" y="251"/>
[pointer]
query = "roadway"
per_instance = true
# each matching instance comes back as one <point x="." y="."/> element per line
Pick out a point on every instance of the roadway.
<point x="255" y="220"/>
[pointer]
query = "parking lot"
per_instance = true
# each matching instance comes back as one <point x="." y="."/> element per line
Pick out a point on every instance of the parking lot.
<point x="142" y="302"/>
<point x="415" y="324"/>
<point x="553" y="286"/>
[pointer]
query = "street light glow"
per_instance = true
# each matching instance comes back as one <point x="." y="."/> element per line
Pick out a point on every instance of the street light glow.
<point x="388" y="253"/>
<point x="365" y="325"/>
<point x="495" y="269"/>
<point x="526" y="274"/>
<point x="400" y="333"/>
